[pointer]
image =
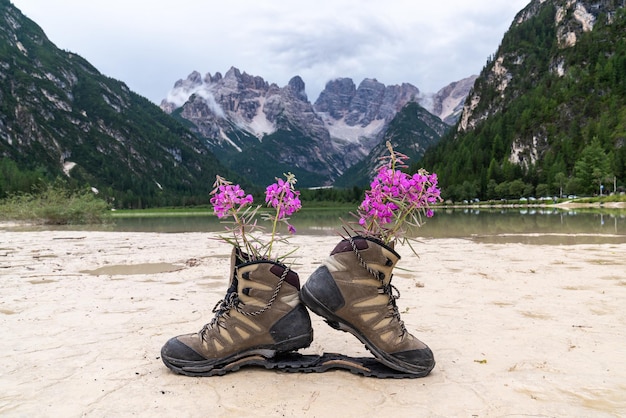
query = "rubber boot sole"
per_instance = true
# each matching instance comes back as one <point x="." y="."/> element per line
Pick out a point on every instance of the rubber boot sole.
<point x="205" y="367"/>
<point x="301" y="363"/>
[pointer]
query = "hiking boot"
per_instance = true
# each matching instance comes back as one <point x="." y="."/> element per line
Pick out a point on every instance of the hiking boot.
<point x="352" y="290"/>
<point x="261" y="315"/>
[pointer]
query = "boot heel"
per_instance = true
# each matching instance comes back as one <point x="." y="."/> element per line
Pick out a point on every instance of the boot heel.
<point x="319" y="308"/>
<point x="312" y="303"/>
<point x="321" y="289"/>
<point x="293" y="331"/>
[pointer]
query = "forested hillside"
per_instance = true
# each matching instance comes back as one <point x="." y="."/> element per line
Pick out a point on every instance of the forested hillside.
<point x="60" y="118"/>
<point x="548" y="113"/>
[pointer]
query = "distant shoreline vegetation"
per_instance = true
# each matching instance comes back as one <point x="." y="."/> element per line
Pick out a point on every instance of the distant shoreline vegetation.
<point x="55" y="205"/>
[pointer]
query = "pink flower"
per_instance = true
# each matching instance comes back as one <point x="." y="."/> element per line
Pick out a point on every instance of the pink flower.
<point x="396" y="199"/>
<point x="230" y="200"/>
<point x="283" y="197"/>
<point x="227" y="197"/>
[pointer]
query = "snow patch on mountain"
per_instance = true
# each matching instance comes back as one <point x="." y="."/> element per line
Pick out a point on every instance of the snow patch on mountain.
<point x="339" y="129"/>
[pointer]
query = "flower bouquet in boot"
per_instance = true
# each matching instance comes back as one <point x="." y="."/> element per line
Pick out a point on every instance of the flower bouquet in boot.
<point x="261" y="314"/>
<point x="352" y="288"/>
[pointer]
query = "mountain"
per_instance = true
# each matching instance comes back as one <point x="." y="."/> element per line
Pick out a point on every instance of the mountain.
<point x="59" y="115"/>
<point x="256" y="128"/>
<point x="548" y="111"/>
<point x="259" y="128"/>
<point x="447" y="103"/>
<point x="413" y="121"/>
<point x="357" y="117"/>
<point x="61" y="118"/>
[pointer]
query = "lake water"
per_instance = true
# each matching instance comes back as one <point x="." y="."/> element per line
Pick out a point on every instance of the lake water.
<point x="522" y="225"/>
<point x="526" y="225"/>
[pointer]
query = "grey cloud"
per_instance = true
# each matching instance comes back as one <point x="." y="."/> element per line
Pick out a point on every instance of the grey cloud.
<point x="330" y="42"/>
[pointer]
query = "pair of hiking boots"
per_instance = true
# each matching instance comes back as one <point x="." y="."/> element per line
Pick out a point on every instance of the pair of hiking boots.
<point x="263" y="318"/>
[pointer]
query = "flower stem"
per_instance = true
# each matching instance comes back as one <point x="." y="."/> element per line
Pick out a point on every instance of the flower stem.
<point x="242" y="231"/>
<point x="274" y="223"/>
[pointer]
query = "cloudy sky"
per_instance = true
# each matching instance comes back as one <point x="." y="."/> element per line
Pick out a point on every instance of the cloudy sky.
<point x="151" y="44"/>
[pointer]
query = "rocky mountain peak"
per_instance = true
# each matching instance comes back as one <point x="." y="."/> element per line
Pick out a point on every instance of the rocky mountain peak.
<point x="448" y="102"/>
<point x="296" y="85"/>
<point x="336" y="97"/>
<point x="366" y="103"/>
<point x="371" y="101"/>
<point x="238" y="111"/>
<point x="236" y="80"/>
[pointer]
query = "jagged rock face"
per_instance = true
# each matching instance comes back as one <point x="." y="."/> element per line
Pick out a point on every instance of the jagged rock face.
<point x="290" y="105"/>
<point x="215" y="103"/>
<point x="371" y="101"/>
<point x="341" y="100"/>
<point x="395" y="98"/>
<point x="411" y="122"/>
<point x="343" y="126"/>
<point x="366" y="103"/>
<point x="357" y="118"/>
<point x="236" y="112"/>
<point x="335" y="99"/>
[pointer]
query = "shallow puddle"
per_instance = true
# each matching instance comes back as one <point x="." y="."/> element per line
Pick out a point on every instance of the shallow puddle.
<point x="130" y="269"/>
<point x="42" y="281"/>
<point x="7" y="312"/>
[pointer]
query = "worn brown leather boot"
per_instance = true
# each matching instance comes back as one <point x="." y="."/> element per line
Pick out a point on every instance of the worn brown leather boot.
<point x="261" y="315"/>
<point x="352" y="290"/>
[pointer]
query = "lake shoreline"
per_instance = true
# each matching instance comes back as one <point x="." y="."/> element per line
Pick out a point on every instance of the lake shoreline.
<point x="562" y="205"/>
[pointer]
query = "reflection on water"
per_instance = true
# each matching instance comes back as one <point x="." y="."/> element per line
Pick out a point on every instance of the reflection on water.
<point x="532" y="225"/>
<point x="311" y="222"/>
<point x="479" y="223"/>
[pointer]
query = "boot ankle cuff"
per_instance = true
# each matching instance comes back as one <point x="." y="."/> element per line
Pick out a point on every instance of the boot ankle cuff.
<point x="361" y="244"/>
<point x="277" y="269"/>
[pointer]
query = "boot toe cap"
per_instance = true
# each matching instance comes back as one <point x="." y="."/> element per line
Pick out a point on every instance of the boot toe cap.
<point x="175" y="349"/>
<point x="420" y="361"/>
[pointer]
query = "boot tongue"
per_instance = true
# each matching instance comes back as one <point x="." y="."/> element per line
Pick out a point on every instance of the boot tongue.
<point x="291" y="276"/>
<point x="232" y="287"/>
<point x="237" y="257"/>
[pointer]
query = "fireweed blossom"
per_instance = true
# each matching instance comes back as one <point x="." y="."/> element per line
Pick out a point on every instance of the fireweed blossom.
<point x="284" y="198"/>
<point x="230" y="200"/>
<point x="396" y="200"/>
<point x="228" y="197"/>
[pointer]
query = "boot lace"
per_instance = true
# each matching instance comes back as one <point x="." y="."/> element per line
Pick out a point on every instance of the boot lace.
<point x="389" y="289"/>
<point x="232" y="301"/>
<point x="221" y="310"/>
<point x="386" y="289"/>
